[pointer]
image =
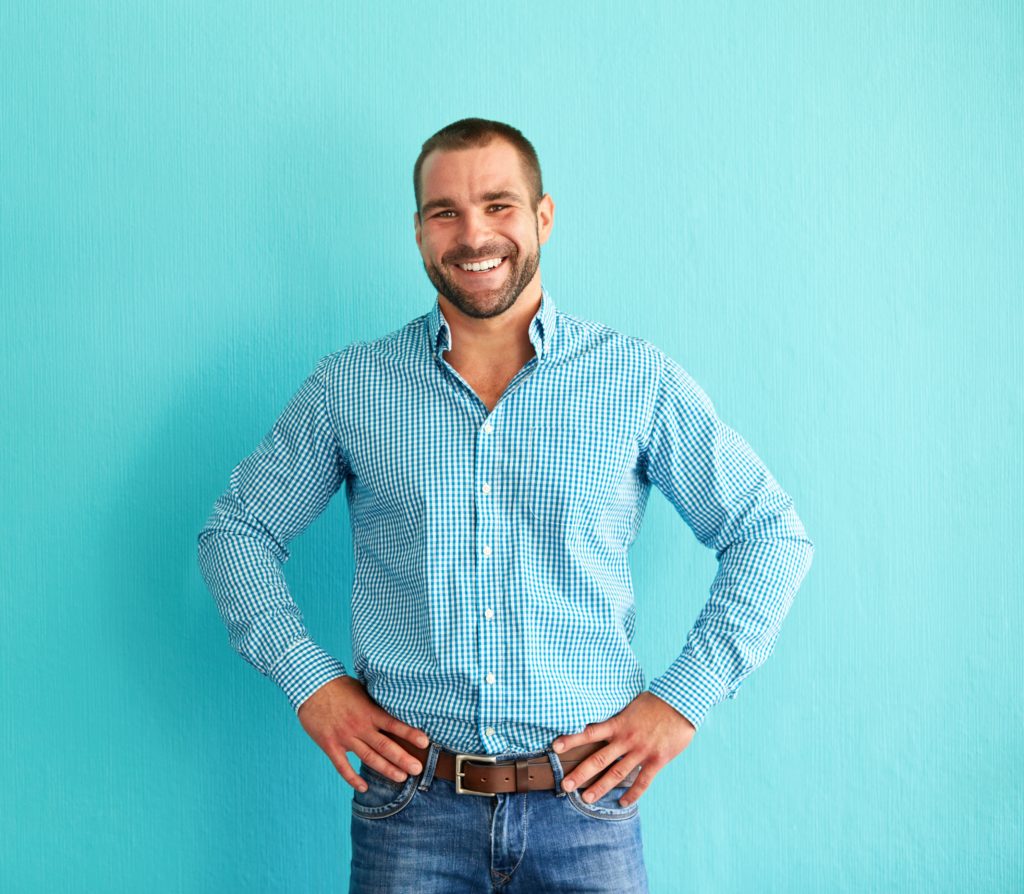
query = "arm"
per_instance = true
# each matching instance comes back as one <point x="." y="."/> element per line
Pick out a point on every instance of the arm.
<point x="730" y="500"/>
<point x="273" y="495"/>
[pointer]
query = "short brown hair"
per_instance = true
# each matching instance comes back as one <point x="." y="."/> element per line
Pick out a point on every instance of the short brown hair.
<point x="470" y="132"/>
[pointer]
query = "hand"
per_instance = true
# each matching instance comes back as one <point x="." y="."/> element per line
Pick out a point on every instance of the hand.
<point x="340" y="717"/>
<point x="648" y="732"/>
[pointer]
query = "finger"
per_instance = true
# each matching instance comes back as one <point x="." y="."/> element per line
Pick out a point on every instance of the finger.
<point x="391" y="751"/>
<point x="403" y="730"/>
<point x="366" y="752"/>
<point x="342" y="765"/>
<point x="598" y="762"/>
<point x="613" y="778"/>
<point x="592" y="733"/>
<point x="639" y="786"/>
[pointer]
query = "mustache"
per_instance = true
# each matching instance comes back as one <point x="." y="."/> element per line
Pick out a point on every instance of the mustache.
<point x="483" y="254"/>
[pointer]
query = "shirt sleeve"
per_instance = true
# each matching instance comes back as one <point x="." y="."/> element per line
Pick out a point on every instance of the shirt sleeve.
<point x="733" y="505"/>
<point x="273" y="495"/>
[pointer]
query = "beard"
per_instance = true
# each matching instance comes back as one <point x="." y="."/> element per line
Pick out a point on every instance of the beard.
<point x="482" y="303"/>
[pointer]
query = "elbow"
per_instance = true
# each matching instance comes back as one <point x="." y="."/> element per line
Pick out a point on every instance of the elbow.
<point x="232" y="528"/>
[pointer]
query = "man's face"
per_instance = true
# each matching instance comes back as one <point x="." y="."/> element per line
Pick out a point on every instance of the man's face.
<point x="475" y="208"/>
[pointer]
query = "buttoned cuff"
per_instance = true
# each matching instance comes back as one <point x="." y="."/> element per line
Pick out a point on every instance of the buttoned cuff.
<point x="689" y="688"/>
<point x="303" y="669"/>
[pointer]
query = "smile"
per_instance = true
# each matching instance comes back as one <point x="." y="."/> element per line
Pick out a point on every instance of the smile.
<point x="482" y="266"/>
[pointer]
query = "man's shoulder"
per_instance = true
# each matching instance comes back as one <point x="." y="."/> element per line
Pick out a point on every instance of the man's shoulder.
<point x="397" y="346"/>
<point x="586" y="336"/>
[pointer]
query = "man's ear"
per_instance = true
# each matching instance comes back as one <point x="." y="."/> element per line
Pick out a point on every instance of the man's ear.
<point x="545" y="217"/>
<point x="416" y="224"/>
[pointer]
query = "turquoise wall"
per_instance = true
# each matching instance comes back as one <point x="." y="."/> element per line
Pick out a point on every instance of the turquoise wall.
<point x="816" y="209"/>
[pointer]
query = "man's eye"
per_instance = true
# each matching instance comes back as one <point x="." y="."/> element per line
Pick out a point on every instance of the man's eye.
<point x="443" y="213"/>
<point x="499" y="206"/>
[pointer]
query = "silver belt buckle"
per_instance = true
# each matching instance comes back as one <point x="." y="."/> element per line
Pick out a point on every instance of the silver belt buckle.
<point x="459" y="772"/>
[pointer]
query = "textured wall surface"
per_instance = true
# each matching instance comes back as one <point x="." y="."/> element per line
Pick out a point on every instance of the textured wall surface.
<point x="818" y="211"/>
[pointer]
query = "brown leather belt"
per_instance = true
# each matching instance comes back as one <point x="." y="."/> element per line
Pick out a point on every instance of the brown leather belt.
<point x="480" y="774"/>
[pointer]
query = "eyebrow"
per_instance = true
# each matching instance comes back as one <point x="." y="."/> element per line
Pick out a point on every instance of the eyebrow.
<point x="434" y="204"/>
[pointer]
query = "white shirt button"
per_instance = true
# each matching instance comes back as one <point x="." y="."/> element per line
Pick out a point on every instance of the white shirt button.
<point x="487" y="550"/>
<point x="488" y="428"/>
<point x="485" y="487"/>
<point x="489" y="731"/>
<point x="489" y="678"/>
<point x="488" y="612"/>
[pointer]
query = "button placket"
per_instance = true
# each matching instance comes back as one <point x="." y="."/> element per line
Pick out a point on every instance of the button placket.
<point x="488" y="574"/>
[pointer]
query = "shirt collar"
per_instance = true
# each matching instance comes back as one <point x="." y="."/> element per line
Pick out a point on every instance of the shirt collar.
<point x="541" y="332"/>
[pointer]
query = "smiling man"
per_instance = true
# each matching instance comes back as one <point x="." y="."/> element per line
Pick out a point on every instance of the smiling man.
<point x="480" y="228"/>
<point x="497" y="455"/>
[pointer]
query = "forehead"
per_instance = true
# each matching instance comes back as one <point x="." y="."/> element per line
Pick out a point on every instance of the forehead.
<point x="466" y="173"/>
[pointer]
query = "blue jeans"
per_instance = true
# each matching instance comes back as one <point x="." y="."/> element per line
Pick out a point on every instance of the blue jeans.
<point x="421" y="837"/>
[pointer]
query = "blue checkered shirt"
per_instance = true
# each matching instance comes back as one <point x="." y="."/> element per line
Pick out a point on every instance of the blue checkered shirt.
<point x="492" y="605"/>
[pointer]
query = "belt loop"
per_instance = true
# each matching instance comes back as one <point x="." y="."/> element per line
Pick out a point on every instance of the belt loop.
<point x="427" y="776"/>
<point x="556" y="771"/>
<point x="523" y="775"/>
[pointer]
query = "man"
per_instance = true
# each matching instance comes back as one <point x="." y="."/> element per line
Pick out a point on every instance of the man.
<point x="497" y="455"/>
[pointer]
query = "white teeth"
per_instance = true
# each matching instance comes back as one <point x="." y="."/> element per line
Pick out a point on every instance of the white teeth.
<point x="482" y="265"/>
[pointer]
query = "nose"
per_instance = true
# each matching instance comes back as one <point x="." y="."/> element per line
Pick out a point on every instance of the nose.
<point x="474" y="230"/>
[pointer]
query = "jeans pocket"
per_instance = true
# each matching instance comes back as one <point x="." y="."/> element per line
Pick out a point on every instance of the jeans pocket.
<point x="383" y="797"/>
<point x="607" y="807"/>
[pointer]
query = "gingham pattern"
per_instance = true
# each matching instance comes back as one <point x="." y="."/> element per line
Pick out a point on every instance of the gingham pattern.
<point x="492" y="604"/>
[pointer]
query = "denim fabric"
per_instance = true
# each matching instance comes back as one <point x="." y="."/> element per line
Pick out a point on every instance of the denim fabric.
<point x="421" y="836"/>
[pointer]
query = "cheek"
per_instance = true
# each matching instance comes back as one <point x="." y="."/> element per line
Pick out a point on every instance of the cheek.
<point x="433" y="246"/>
<point x="429" y="252"/>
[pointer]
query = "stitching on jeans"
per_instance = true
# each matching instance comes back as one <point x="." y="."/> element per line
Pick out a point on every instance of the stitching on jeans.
<point x="557" y="771"/>
<point x="427" y="776"/>
<point x="606" y="814"/>
<point x="392" y="807"/>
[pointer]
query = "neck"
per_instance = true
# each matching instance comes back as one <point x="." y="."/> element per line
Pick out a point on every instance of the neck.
<point x="501" y="341"/>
